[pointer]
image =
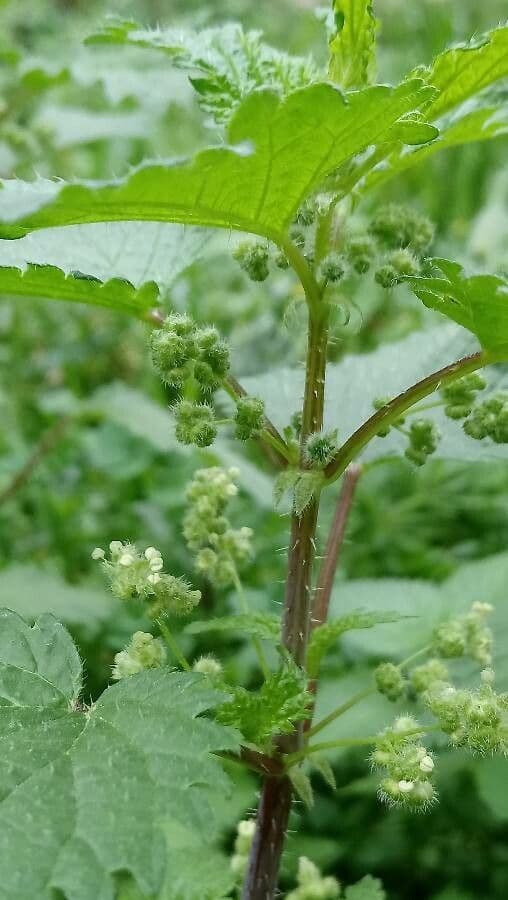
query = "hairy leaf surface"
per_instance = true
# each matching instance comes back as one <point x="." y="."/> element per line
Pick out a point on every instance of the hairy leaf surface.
<point x="135" y="251"/>
<point x="256" y="184"/>
<point x="85" y="793"/>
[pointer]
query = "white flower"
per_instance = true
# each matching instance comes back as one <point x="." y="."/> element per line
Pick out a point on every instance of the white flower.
<point x="152" y="553"/>
<point x="126" y="559"/>
<point x="98" y="553"/>
<point x="405" y="787"/>
<point x="156" y="564"/>
<point x="154" y="578"/>
<point x="116" y="546"/>
<point x="427" y="764"/>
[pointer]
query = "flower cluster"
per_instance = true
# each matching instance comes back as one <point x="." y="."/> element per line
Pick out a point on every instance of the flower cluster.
<point x="424" y="676"/>
<point x="320" y="448"/>
<point x="249" y="417"/>
<point x="253" y="258"/>
<point x="208" y="665"/>
<point x="143" y="652"/>
<point x="423" y="440"/>
<point x="192" y="361"/>
<point x="218" y="548"/>
<point x="489" y="419"/>
<point x="460" y="396"/>
<point x="473" y="719"/>
<point x="400" y="227"/>
<point x="466" y="635"/>
<point x="312" y="885"/>
<point x="135" y="575"/>
<point x="390" y="681"/>
<point x="407" y="764"/>
<point x="245" y="832"/>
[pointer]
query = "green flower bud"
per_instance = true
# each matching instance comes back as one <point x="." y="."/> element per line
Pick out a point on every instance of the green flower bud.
<point x="312" y="885"/>
<point x="460" y="396"/>
<point x="332" y="268"/>
<point x="390" y="681"/>
<point x="253" y="258"/>
<point x="306" y="214"/>
<point x="387" y="276"/>
<point x="173" y="596"/>
<point x="208" y="665"/>
<point x="404" y="262"/>
<point x="213" y="351"/>
<point x="424" y="676"/>
<point x="281" y="261"/>
<point x="195" y="424"/>
<point x="399" y="226"/>
<point x="320" y="448"/>
<point x="360" y="250"/>
<point x="143" y="652"/>
<point x="408" y="766"/>
<point x="298" y="237"/>
<point x="249" y="417"/>
<point x="423" y="440"/>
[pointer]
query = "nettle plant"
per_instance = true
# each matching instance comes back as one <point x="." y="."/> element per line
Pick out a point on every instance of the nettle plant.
<point x="124" y="787"/>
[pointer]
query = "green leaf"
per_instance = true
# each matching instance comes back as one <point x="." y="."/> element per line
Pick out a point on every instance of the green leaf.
<point x="466" y="69"/>
<point x="307" y="486"/>
<point x="322" y="765"/>
<point x="368" y="888"/>
<point x="255" y="624"/>
<point x="48" y="281"/>
<point x="231" y="63"/>
<point x="478" y="303"/>
<point x="353" y="43"/>
<point x="326" y="636"/>
<point x="256" y="184"/>
<point x="138" y="252"/>
<point x="281" y="701"/>
<point x="30" y="591"/>
<point x="395" y="366"/>
<point x="302" y="785"/>
<point x="86" y="793"/>
<point x="490" y="776"/>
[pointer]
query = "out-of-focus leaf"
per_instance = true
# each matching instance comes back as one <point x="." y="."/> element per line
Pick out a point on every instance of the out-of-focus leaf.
<point x="231" y="63"/>
<point x="353" y="43"/>
<point x="260" y="625"/>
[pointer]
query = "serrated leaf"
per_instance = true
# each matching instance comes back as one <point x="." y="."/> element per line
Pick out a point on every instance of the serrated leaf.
<point x="353" y="43"/>
<point x="306" y="487"/>
<point x="302" y="785"/>
<point x="368" y="888"/>
<point x="49" y="281"/>
<point x="85" y="794"/>
<point x="255" y="624"/>
<point x="138" y="252"/>
<point x="281" y="701"/>
<point x="478" y="303"/>
<point x="231" y="63"/>
<point x="466" y="69"/>
<point x="256" y="184"/>
<point x="395" y="366"/>
<point x="322" y="764"/>
<point x="284" y="482"/>
<point x="326" y="636"/>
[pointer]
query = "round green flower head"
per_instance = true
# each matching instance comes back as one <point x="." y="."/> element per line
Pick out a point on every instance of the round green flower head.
<point x="249" y="417"/>
<point x="390" y="681"/>
<point x="253" y="258"/>
<point x="143" y="652"/>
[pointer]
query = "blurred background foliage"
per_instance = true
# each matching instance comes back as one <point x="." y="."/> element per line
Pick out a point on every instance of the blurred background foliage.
<point x="86" y="448"/>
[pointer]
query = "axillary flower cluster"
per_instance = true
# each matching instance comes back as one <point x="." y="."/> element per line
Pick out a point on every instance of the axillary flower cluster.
<point x="135" y="575"/>
<point x="471" y="718"/>
<point x="218" y="548"/>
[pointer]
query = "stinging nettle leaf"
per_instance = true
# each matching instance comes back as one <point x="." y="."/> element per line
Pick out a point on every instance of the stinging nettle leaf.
<point x="49" y="281"/>
<point x="478" y="302"/>
<point x="352" y="43"/>
<point x="324" y="637"/>
<point x="87" y="793"/>
<point x="231" y="62"/>
<point x="255" y="185"/>
<point x="255" y="624"/>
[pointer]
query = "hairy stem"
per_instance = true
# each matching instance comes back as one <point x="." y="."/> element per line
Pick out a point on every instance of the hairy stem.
<point x="275" y="804"/>
<point x="391" y="412"/>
